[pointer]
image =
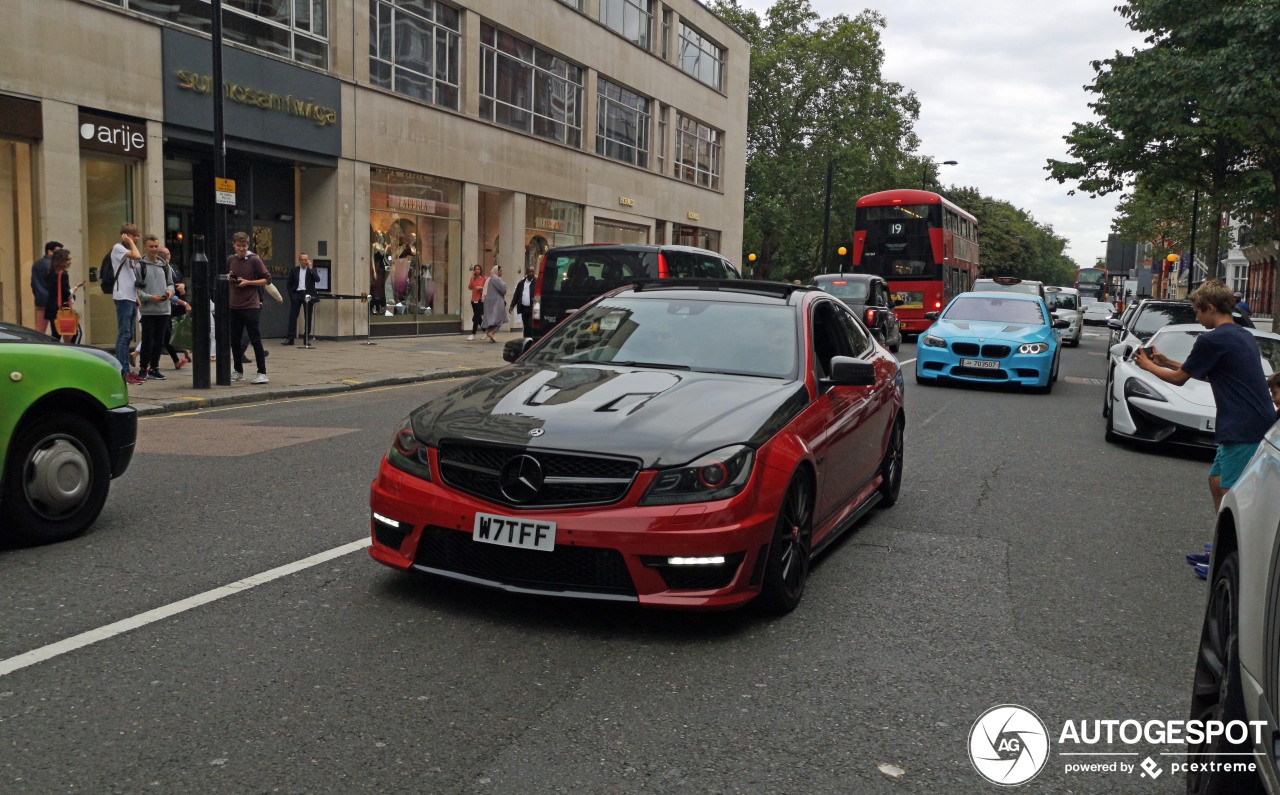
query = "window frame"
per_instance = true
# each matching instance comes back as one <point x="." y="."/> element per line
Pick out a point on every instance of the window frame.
<point x="693" y="40"/>
<point x="687" y="128"/>
<point x="386" y="70"/>
<point x="643" y="145"/>
<point x="491" y="55"/>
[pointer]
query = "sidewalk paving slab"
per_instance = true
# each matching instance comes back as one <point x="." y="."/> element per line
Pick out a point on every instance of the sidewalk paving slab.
<point x="331" y="366"/>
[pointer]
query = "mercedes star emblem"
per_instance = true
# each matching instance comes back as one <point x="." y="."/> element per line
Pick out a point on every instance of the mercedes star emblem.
<point x="521" y="479"/>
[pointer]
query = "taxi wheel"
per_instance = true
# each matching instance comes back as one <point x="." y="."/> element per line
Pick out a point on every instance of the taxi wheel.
<point x="57" y="478"/>
<point x="1217" y="694"/>
<point x="787" y="569"/>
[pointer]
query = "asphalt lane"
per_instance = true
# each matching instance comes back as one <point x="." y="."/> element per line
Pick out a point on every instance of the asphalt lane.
<point x="1028" y="561"/>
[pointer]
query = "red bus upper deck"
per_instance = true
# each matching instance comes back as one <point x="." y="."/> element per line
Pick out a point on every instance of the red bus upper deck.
<point x="925" y="246"/>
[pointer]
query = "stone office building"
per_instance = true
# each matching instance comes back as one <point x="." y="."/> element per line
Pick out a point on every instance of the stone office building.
<point x="398" y="142"/>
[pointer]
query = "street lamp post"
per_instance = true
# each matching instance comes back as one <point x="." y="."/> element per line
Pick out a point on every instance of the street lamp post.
<point x="924" y="171"/>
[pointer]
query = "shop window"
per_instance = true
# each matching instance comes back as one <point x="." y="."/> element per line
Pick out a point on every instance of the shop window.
<point x="619" y="232"/>
<point x="16" y="254"/>
<point x="414" y="48"/>
<point x="529" y="89"/>
<point x="622" y="129"/>
<point x="416" y="245"/>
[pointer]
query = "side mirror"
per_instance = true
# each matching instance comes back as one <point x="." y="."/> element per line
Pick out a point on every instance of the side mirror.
<point x="848" y="371"/>
<point x="1114" y="323"/>
<point x="1060" y="322"/>
<point x="514" y="349"/>
<point x="930" y="315"/>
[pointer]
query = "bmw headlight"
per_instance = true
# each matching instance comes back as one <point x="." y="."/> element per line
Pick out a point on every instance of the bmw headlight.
<point x="1136" y="387"/>
<point x="715" y="476"/>
<point x="408" y="454"/>
<point x="1033" y="347"/>
<point x="931" y="341"/>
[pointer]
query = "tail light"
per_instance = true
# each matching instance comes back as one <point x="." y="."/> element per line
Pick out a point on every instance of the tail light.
<point x="537" y="288"/>
<point x="937" y="304"/>
<point x="662" y="266"/>
<point x="870" y="317"/>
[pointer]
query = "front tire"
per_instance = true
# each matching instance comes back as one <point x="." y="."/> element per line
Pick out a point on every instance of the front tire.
<point x="787" y="569"/>
<point x="58" y="478"/>
<point x="1217" y="692"/>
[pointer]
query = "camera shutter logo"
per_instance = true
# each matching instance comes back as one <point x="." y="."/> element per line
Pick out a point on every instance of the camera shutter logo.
<point x="1008" y="745"/>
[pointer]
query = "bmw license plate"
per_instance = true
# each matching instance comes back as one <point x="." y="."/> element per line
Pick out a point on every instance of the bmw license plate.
<point x="981" y="364"/>
<point x="507" y="531"/>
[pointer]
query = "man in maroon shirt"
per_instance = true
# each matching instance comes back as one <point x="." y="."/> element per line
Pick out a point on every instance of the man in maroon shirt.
<point x="247" y="273"/>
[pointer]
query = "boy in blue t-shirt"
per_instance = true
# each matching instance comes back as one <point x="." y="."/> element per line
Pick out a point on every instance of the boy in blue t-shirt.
<point x="1228" y="358"/>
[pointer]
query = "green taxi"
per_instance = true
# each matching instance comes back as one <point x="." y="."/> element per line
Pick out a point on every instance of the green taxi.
<point x="66" y="430"/>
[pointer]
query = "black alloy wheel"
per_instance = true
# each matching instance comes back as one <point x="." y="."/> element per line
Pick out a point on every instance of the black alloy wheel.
<point x="57" y="478"/>
<point x="1217" y="694"/>
<point x="787" y="569"/>
<point x="891" y="467"/>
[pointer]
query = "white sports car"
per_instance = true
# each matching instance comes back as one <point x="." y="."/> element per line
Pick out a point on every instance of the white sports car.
<point x="1140" y="406"/>
<point x="1238" y="662"/>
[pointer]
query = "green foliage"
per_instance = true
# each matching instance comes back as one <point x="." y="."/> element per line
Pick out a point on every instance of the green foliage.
<point x="1013" y="243"/>
<point x="817" y="97"/>
<point x="1197" y="110"/>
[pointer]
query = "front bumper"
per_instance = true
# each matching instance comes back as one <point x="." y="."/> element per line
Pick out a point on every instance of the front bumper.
<point x="1021" y="369"/>
<point x="1156" y="421"/>
<point x="122" y="435"/>
<point x="616" y="552"/>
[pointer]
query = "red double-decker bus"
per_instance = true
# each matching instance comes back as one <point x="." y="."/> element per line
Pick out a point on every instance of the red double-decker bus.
<point x="923" y="245"/>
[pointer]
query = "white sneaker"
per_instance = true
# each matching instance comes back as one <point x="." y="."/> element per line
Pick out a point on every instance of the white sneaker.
<point x="472" y="338"/>
<point x="260" y="378"/>
<point x="389" y="313"/>
<point x="237" y="376"/>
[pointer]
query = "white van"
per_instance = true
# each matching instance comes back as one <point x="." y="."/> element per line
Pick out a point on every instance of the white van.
<point x="1064" y="302"/>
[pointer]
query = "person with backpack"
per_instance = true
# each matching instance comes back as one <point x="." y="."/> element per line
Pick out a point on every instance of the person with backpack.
<point x="155" y="290"/>
<point x="120" y="280"/>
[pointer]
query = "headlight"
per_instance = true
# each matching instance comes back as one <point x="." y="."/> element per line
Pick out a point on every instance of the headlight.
<point x="1135" y="387"/>
<point x="1033" y="347"/>
<point x="714" y="476"/>
<point x="408" y="454"/>
<point x="931" y="341"/>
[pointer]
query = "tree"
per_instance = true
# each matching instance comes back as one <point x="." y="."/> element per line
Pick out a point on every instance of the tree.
<point x="817" y="97"/>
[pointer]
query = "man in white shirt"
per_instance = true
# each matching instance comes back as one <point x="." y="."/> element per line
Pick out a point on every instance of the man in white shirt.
<point x="522" y="300"/>
<point x="125" y="293"/>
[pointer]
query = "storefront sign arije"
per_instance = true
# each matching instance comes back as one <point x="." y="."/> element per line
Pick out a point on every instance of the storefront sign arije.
<point x="116" y="136"/>
<point x="319" y="115"/>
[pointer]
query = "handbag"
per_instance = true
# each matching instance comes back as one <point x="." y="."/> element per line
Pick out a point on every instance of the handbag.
<point x="68" y="319"/>
<point x="180" y="336"/>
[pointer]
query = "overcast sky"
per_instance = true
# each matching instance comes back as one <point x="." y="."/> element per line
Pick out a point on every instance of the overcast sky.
<point x="1000" y="83"/>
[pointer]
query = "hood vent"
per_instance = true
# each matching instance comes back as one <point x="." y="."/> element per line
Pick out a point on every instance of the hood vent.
<point x="629" y="402"/>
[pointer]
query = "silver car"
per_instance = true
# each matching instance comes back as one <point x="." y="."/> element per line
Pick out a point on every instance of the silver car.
<point x="1238" y="661"/>
<point x="1064" y="302"/>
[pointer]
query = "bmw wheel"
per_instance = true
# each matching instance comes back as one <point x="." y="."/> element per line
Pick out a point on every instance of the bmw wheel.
<point x="787" y="569"/>
<point x="1217" y="693"/>
<point x="58" y="478"/>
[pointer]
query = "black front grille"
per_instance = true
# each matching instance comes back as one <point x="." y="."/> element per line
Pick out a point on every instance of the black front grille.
<point x="566" y="568"/>
<point x="570" y="479"/>
<point x="964" y="348"/>
<point x="995" y="351"/>
<point x="980" y="372"/>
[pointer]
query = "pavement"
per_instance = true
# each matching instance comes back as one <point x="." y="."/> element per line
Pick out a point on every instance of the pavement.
<point x="329" y="366"/>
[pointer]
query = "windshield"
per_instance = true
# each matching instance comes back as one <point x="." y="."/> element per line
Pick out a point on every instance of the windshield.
<point x="1177" y="346"/>
<point x="1062" y="301"/>
<point x="842" y="288"/>
<point x="1151" y="319"/>
<point x="999" y="310"/>
<point x="1099" y="309"/>
<point x="707" y="336"/>
<point x="991" y="285"/>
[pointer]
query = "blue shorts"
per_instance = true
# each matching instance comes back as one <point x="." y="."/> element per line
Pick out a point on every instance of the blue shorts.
<point x="1231" y="460"/>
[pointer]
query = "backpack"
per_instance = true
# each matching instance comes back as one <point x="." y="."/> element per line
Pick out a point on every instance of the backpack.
<point x="107" y="275"/>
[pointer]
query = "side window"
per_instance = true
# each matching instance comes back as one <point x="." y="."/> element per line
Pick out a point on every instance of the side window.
<point x="829" y="337"/>
<point x="857" y="334"/>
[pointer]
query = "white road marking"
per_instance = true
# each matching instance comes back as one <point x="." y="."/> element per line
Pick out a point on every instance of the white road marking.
<point x="905" y="361"/>
<point x="151" y="616"/>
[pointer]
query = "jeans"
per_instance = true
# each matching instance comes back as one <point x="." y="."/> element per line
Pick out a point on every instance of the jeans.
<point x="125" y="311"/>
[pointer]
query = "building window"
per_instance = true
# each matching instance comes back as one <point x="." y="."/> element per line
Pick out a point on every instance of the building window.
<point x="631" y="18"/>
<point x="697" y="157"/>
<point x="294" y="29"/>
<point x="527" y="88"/>
<point x="665" y="43"/>
<point x="576" y="5"/>
<point x="660" y="149"/>
<point x="700" y="58"/>
<point x="623" y="129"/>
<point x="414" y="47"/>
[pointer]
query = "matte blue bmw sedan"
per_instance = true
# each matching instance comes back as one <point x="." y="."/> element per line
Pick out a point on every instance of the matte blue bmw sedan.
<point x="992" y="338"/>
